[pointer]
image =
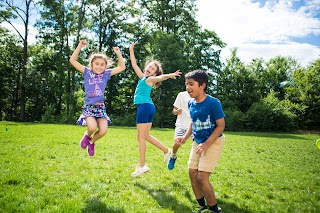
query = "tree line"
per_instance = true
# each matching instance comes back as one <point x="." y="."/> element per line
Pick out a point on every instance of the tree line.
<point x="37" y="82"/>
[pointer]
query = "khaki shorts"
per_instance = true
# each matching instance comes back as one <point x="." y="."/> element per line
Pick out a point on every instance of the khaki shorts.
<point x="207" y="162"/>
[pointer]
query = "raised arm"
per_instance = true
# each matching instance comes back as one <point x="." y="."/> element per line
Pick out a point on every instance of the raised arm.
<point x="163" y="77"/>
<point x="121" y="65"/>
<point x="74" y="57"/>
<point x="134" y="62"/>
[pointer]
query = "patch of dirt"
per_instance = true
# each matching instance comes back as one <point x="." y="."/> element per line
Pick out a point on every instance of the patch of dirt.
<point x="309" y="131"/>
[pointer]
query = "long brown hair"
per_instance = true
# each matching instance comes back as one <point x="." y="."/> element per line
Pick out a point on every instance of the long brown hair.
<point x="159" y="70"/>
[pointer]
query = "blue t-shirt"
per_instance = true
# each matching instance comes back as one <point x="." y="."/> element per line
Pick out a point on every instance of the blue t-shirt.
<point x="95" y="85"/>
<point x="142" y="93"/>
<point x="204" y="116"/>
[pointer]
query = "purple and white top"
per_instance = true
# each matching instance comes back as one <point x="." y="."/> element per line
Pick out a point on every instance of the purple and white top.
<point x="95" y="85"/>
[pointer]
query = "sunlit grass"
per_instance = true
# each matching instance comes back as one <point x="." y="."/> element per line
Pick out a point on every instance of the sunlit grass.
<point x="43" y="169"/>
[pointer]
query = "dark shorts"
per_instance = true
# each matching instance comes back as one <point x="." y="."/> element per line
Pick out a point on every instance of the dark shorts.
<point x="145" y="113"/>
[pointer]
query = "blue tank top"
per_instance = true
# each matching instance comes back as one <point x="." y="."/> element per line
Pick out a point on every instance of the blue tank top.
<point x="142" y="93"/>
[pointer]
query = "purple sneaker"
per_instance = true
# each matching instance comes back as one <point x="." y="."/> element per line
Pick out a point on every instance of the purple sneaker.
<point x="91" y="149"/>
<point x="85" y="141"/>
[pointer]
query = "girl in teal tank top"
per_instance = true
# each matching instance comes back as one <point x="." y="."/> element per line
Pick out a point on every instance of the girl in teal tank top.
<point x="150" y="78"/>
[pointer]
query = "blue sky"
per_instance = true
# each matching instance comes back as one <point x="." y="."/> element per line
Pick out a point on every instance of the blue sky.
<point x="265" y="28"/>
<point x="258" y="28"/>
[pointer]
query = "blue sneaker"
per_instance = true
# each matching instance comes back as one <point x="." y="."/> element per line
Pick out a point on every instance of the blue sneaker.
<point x="171" y="163"/>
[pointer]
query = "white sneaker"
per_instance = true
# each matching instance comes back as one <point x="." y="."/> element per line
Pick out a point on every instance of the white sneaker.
<point x="166" y="156"/>
<point x="140" y="170"/>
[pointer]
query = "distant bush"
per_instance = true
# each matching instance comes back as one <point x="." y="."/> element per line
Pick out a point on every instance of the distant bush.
<point x="234" y="120"/>
<point x="270" y="114"/>
<point x="123" y="120"/>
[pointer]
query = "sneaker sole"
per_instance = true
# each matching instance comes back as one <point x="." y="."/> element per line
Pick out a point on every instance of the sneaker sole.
<point x="140" y="174"/>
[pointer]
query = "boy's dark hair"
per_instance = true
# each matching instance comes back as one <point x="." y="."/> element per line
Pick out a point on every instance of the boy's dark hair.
<point x="199" y="76"/>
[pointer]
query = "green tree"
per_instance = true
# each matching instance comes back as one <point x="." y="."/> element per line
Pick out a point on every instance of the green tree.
<point x="21" y="10"/>
<point x="11" y="65"/>
<point x="173" y="36"/>
<point x="279" y="69"/>
<point x="55" y="27"/>
<point x="238" y="85"/>
<point x="304" y="90"/>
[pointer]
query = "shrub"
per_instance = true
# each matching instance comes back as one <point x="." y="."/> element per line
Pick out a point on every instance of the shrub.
<point x="270" y="114"/>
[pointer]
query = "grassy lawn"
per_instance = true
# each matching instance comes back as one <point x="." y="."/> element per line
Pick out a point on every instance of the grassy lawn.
<point x="43" y="169"/>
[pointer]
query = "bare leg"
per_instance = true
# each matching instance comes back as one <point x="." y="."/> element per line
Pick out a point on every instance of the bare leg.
<point x="92" y="125"/>
<point x="175" y="148"/>
<point x="102" y="129"/>
<point x="143" y="130"/>
<point x="193" y="175"/>
<point x="206" y="188"/>
<point x="154" y="141"/>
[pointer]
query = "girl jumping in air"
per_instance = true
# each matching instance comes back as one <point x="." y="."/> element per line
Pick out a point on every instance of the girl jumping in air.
<point x="96" y="76"/>
<point x="149" y="78"/>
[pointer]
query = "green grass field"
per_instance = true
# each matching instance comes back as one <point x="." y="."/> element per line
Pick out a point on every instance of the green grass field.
<point x="43" y="169"/>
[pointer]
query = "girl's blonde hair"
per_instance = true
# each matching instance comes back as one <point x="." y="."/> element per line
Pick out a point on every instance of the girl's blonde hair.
<point x="94" y="56"/>
<point x="159" y="70"/>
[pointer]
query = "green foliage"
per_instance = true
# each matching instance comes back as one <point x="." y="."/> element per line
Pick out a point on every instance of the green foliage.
<point x="11" y="57"/>
<point x="234" y="119"/>
<point x="237" y="85"/>
<point x="270" y="114"/>
<point x="123" y="120"/>
<point x="167" y="31"/>
<point x="305" y="91"/>
<point x="43" y="169"/>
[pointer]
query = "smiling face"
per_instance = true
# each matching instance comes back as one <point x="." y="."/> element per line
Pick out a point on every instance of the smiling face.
<point x="196" y="83"/>
<point x="98" y="65"/>
<point x="194" y="89"/>
<point x="151" y="69"/>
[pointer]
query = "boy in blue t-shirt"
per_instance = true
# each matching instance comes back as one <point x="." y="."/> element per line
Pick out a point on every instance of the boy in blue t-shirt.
<point x="208" y="140"/>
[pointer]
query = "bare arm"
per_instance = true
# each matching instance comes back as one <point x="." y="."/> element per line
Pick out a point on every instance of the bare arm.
<point x="74" y="57"/>
<point x="121" y="65"/>
<point x="213" y="137"/>
<point x="134" y="61"/>
<point x="183" y="139"/>
<point x="176" y="111"/>
<point x="163" y="77"/>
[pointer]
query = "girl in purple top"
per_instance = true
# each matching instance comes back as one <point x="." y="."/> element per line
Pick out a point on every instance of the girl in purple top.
<point x="96" y="76"/>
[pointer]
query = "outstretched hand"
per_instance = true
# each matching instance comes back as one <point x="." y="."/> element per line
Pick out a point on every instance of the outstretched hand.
<point x="116" y="50"/>
<point x="82" y="43"/>
<point x="176" y="74"/>
<point x="132" y="45"/>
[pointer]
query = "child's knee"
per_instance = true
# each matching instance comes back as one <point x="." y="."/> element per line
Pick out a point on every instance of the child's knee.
<point x="92" y="129"/>
<point x="103" y="131"/>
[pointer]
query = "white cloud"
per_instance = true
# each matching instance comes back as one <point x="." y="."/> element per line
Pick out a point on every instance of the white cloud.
<point x="262" y="30"/>
<point x="32" y="32"/>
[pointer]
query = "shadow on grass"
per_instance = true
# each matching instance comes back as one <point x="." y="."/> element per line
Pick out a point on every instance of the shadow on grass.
<point x="96" y="205"/>
<point x="168" y="202"/>
<point x="134" y="128"/>
<point x="164" y="200"/>
<point x="226" y="207"/>
<point x="268" y="135"/>
<point x="231" y="207"/>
